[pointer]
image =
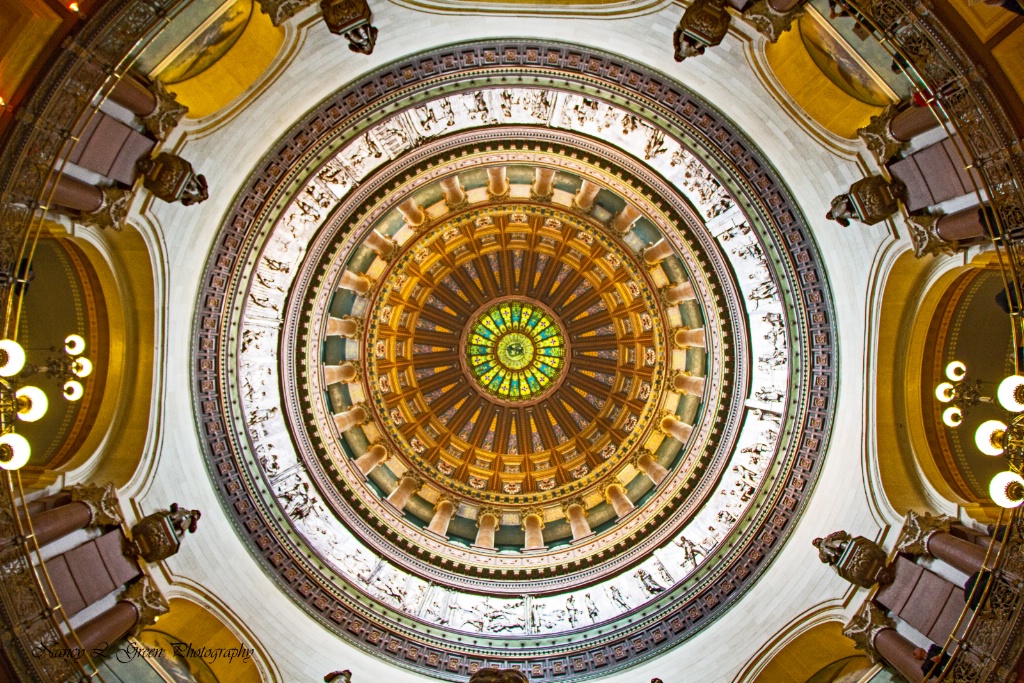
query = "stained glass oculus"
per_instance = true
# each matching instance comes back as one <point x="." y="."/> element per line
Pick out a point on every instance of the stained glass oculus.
<point x="516" y="351"/>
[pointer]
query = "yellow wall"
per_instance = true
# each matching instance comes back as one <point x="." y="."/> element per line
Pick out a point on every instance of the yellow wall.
<point x="238" y="69"/>
<point x="191" y="623"/>
<point x="808" y="654"/>
<point x="25" y="27"/>
<point x="812" y="90"/>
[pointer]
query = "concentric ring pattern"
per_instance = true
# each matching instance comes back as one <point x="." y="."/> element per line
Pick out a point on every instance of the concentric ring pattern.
<point x="516" y="351"/>
<point x="516" y="364"/>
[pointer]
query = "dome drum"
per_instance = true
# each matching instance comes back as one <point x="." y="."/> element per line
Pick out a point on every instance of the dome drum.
<point x="381" y="473"/>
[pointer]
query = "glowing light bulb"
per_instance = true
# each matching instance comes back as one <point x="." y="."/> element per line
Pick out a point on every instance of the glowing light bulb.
<point x="952" y="416"/>
<point x="73" y="6"/>
<point x="12" y="358"/>
<point x="989" y="437"/>
<point x="82" y="367"/>
<point x="74" y="344"/>
<point x="14" y="451"/>
<point x="1011" y="393"/>
<point x="73" y="390"/>
<point x="956" y="371"/>
<point x="32" y="403"/>
<point x="1007" y="489"/>
<point x="944" y="392"/>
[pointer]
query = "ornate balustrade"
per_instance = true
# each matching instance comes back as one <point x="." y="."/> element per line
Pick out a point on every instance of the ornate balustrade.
<point x="81" y="76"/>
<point x="945" y="74"/>
<point x="38" y="641"/>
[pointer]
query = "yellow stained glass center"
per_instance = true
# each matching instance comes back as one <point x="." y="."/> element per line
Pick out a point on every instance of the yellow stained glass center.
<point x="516" y="351"/>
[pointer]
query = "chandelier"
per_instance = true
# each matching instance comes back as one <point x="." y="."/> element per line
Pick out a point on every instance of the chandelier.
<point x="993" y="437"/>
<point x="29" y="403"/>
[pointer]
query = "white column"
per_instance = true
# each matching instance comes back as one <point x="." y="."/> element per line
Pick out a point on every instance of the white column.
<point x="678" y="293"/>
<point x="354" y="416"/>
<point x="616" y="497"/>
<point x="685" y="337"/>
<point x="343" y="327"/>
<point x="444" y="510"/>
<point x="497" y="182"/>
<point x="454" y="196"/>
<point x="657" y="252"/>
<point x="584" y="199"/>
<point x="374" y="456"/>
<point x="380" y="244"/>
<point x="407" y="486"/>
<point x="347" y="373"/>
<point x="533" y="525"/>
<point x="676" y="428"/>
<point x="685" y="383"/>
<point x="654" y="470"/>
<point x="543" y="183"/>
<point x="360" y="284"/>
<point x="414" y="215"/>
<point x="625" y="219"/>
<point x="487" y="524"/>
<point x="576" y="515"/>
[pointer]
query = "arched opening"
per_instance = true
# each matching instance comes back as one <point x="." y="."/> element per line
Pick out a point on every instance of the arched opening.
<point x="819" y="655"/>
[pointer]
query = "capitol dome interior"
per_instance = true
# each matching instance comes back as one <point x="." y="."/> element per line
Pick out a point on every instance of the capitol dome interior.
<point x="490" y="340"/>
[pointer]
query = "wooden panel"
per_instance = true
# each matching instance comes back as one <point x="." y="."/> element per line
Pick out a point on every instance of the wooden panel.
<point x="89" y="572"/>
<point x="926" y="602"/>
<point x="1009" y="54"/>
<point x="895" y="595"/>
<point x="25" y="28"/>
<point x="67" y="592"/>
<point x="983" y="19"/>
<point x="120" y="568"/>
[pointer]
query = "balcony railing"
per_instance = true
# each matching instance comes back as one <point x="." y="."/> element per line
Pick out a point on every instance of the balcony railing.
<point x="38" y="640"/>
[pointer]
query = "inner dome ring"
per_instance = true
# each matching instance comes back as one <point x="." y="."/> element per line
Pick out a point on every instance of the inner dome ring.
<point x="476" y="382"/>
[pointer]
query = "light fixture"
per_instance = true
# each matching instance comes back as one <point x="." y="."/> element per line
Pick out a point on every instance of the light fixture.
<point x="956" y="371"/>
<point x="82" y="367"/>
<point x="32" y="403"/>
<point x="952" y="416"/>
<point x="12" y="358"/>
<point x="14" y="451"/>
<point x="1010" y="393"/>
<point x="1007" y="489"/>
<point x="73" y="390"/>
<point x="992" y="437"/>
<point x="74" y="344"/>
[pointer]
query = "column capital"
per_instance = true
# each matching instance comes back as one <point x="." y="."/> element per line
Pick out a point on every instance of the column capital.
<point x="532" y="512"/>
<point x="917" y="529"/>
<point x="492" y="511"/>
<point x="878" y="137"/>
<point x="865" y="626"/>
<point x="925" y="237"/>
<point x="102" y="502"/>
<point x="634" y="460"/>
<point x="573" y="502"/>
<point x="167" y="114"/>
<point x="145" y="598"/>
<point x="770" y="22"/>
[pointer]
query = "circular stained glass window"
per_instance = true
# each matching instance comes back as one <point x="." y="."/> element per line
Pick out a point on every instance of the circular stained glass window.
<point x="516" y="351"/>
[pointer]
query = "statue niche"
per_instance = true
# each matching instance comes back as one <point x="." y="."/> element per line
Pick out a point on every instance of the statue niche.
<point x="351" y="20"/>
<point x="704" y="24"/>
<point x="172" y="179"/>
<point x="857" y="559"/>
<point x="158" y="536"/>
